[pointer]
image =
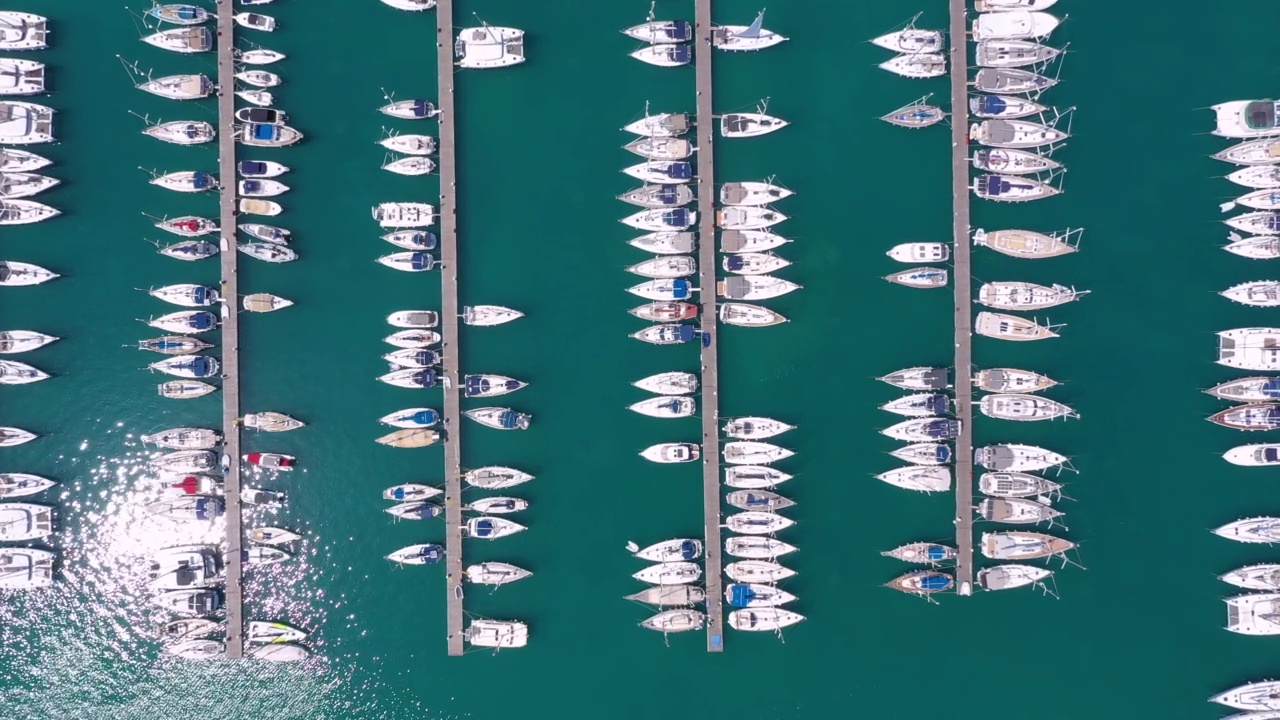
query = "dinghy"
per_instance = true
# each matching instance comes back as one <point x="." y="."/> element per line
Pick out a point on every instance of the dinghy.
<point x="661" y="220"/>
<point x="758" y="500"/>
<point x="922" y="583"/>
<point x="924" y="454"/>
<point x="670" y="573"/>
<point x="1014" y="458"/>
<point x="260" y="57"/>
<point x="425" y="554"/>
<point x="920" y="252"/>
<point x="669" y="383"/>
<point x="17" y="373"/>
<point x="664" y="55"/>
<point x="410" y="492"/>
<point x="1010" y="81"/>
<point x="666" y="243"/>
<point x="757" y="571"/>
<point x="755" y="428"/>
<point x="1011" y="327"/>
<point x="25" y="212"/>
<point x="417" y="145"/>
<point x="753" y="477"/>
<point x="1017" y="485"/>
<point x="495" y="477"/>
<point x="184" y="389"/>
<point x="1003" y="107"/>
<point x="489" y="47"/>
<point x="491" y="528"/>
<point x="1018" y="545"/>
<point x="920" y="277"/>
<point x="1010" y="576"/>
<point x="14" y="485"/>
<point x="754" y="287"/>
<point x="186" y="321"/>
<point x="665" y="406"/>
<point x="919" y="378"/>
<point x="672" y="453"/>
<point x="917" y="65"/>
<point x="182" y="40"/>
<point x="1027" y="244"/>
<point x="20" y="522"/>
<point x="184" y="438"/>
<point x="665" y="312"/>
<point x="486" y="315"/>
<point x="412" y="378"/>
<point x="677" y="289"/>
<point x="745" y="37"/>
<point x="1011" y="380"/>
<point x="666" y="334"/>
<point x="665" y="267"/>
<point x="747" y="315"/>
<point x="674" y="621"/>
<point x="1255" y="455"/>
<point x="13" y="342"/>
<point x="494" y="573"/>
<point x="180" y="87"/>
<point x="13" y="160"/>
<point x="919" y="405"/>
<point x="756" y="547"/>
<point x="1016" y="511"/>
<point x="1013" y="53"/>
<point x="21" y="77"/>
<point x="500" y="418"/>
<point x="754" y="263"/>
<point x="272" y="536"/>
<point x="409" y="261"/>
<point x="680" y="549"/>
<point x="660" y="148"/>
<point x="922" y="552"/>
<point x="741" y="125"/>
<point x="757" y="523"/>
<point x="416" y="511"/>
<point x="926" y="479"/>
<point x="769" y="619"/>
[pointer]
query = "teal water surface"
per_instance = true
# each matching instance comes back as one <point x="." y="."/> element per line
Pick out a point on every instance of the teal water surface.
<point x="1139" y="631"/>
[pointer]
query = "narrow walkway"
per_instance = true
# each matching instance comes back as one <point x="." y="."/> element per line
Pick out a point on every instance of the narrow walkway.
<point x="449" y="313"/>
<point x="963" y="279"/>
<point x="230" y="323"/>
<point x="710" y="352"/>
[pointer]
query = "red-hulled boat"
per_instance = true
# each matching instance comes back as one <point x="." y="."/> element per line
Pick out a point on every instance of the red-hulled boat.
<point x="271" y="461"/>
<point x="666" y="311"/>
<point x="196" y="485"/>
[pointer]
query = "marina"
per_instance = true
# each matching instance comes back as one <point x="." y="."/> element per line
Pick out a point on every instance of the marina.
<point x="962" y="272"/>
<point x="538" y="233"/>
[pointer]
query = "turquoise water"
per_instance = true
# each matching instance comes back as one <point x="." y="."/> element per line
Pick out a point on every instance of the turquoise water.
<point x="1139" y="631"/>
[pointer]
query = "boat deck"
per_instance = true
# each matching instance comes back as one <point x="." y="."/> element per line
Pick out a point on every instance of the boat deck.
<point x="449" y="314"/>
<point x="230" y="325"/>
<point x="710" y="351"/>
<point x="963" y="278"/>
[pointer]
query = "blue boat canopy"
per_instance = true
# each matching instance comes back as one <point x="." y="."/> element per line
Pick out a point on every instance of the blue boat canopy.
<point x="733" y="262"/>
<point x="677" y="218"/>
<point x="943" y="429"/>
<point x="425" y="417"/>
<point x="935" y="581"/>
<point x="252" y="167"/>
<point x="422" y="261"/>
<point x="1271" y="454"/>
<point x="484" y="528"/>
<point x="679" y="170"/>
<point x="667" y="195"/>
<point x="202" y="181"/>
<point x="426" y="239"/>
<point x="944" y="454"/>
<point x="938" y="404"/>
<point x="202" y="321"/>
<point x="936" y="552"/>
<point x="423" y="108"/>
<point x="993" y="104"/>
<point x="685" y="332"/>
<point x="266" y="133"/>
<point x="740" y="595"/>
<point x="681" y="289"/>
<point x="688" y="550"/>
<point x="682" y="53"/>
<point x="252" y="186"/>
<point x="202" y="367"/>
<point x="425" y="378"/>
<point x="681" y="31"/>
<point x="431" y="553"/>
<point x="200" y="295"/>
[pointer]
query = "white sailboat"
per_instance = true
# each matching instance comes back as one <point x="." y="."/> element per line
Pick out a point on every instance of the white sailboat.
<point x="745" y="37"/>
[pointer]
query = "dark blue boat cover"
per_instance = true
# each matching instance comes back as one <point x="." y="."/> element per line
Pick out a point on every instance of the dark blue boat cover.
<point x="993" y="104"/>
<point x="484" y="528"/>
<point x="682" y="32"/>
<point x="200" y="295"/>
<point x="682" y="53"/>
<point x="934" y="581"/>
<point x="936" y="552"/>
<point x="1271" y="388"/>
<point x="425" y="378"/>
<point x="201" y="366"/>
<point x="202" y="321"/>
<point x="265" y="133"/>
<point x="429" y="510"/>
<point x="681" y="290"/>
<point x="252" y="186"/>
<point x="943" y="429"/>
<point x="740" y="595"/>
<point x="1271" y="454"/>
<point x="509" y="419"/>
<point x="252" y="167"/>
<point x="679" y="171"/>
<point x="688" y="550"/>
<point x="422" y="108"/>
<point x="944" y="454"/>
<point x="938" y="404"/>
<point x="734" y="262"/>
<point x="427" y="240"/>
<point x="667" y="195"/>
<point x="677" y="218"/>
<point x="685" y="332"/>
<point x="188" y="12"/>
<point x="994" y="185"/>
<point x="422" y="261"/>
<point x="427" y="357"/>
<point x="202" y="181"/>
<point x="431" y="553"/>
<point x="425" y="417"/>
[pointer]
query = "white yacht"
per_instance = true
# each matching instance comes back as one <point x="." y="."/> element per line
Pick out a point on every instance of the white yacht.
<point x="21" y="185"/>
<point x="733" y="241"/>
<point x="756" y="547"/>
<point x="1256" y="176"/>
<point x="1253" y="697"/>
<point x="1013" y="53"/>
<point x="1258" y="223"/>
<point x="1011" y="327"/>
<point x="677" y="550"/>
<point x="920" y="252"/>
<point x="674" y="621"/>
<point x="1003" y="107"/>
<point x="1259" y="293"/>
<point x="919" y="405"/>
<point x="662" y="125"/>
<point x="917" y="65"/>
<point x="911" y="40"/>
<point x="1017" y="484"/>
<point x="665" y="406"/>
<point x="1017" y="511"/>
<point x="926" y="479"/>
<point x="1246" y="119"/>
<point x="411" y="5"/>
<point x="740" y="125"/>
<point x="14" y="485"/>
<point x="13" y="160"/>
<point x="1010" y="576"/>
<point x="260" y="57"/>
<point x="755" y="428"/>
<point x="1013" y="162"/>
<point x="662" y="220"/>
<point x="193" y="39"/>
<point x="1264" y="199"/>
<point x="672" y="453"/>
<point x="25" y="568"/>
<point x="1018" y="458"/>
<point x="1014" y="25"/>
<point x="18" y="373"/>
<point x="1015" y="134"/>
<point x="753" y="263"/>
<point x="1028" y="244"/>
<point x="23" y="31"/>
<point x="657" y="32"/>
<point x="736" y="217"/>
<point x="757" y="523"/>
<point x="750" y="452"/>
<point x="495" y="573"/>
<point x="670" y="573"/>
<point x="17" y="274"/>
<point x="1011" y="5"/>
<point x="1021" y="545"/>
<point x="757" y="571"/>
<point x="13" y="342"/>
<point x="25" y="521"/>
<point x="754" y="477"/>
<point x="496" y="633"/>
<point x="1026" y="296"/>
<point x="1251" y="530"/>
<point x="926" y="453"/>
<point x="21" y="77"/>
<point x="1011" y="380"/>
<point x="1254" y="614"/>
<point x="1254" y="455"/>
<point x="1254" y="577"/>
<point x="181" y="132"/>
<point x="1255" y="348"/>
<point x="748" y="315"/>
<point x="179" y="87"/>
<point x="745" y="37"/>
<point x="660" y="148"/>
<point x="495" y="477"/>
<point x="666" y="267"/>
<point x="669" y="383"/>
<point x="920" y="277"/>
<point x="1251" y="153"/>
<point x="1011" y="81"/>
<point x="766" y="619"/>
<point x="664" y="55"/>
<point x="754" y="287"/>
<point x="919" y="378"/>
<point x="489" y="47"/>
<point x="259" y="78"/>
<point x="485" y="315"/>
<point x="676" y="242"/>
<point x="24" y="123"/>
<point x="409" y="144"/>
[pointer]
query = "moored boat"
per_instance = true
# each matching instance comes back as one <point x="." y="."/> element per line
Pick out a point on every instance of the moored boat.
<point x="926" y="429"/>
<point x="664" y="406"/>
<point x="1010" y="576"/>
<point x="500" y="418"/>
<point x="1011" y="380"/>
<point x="754" y="287"/>
<point x="924" y="453"/>
<point x="757" y="571"/>
<point x="753" y="476"/>
<point x="1020" y="545"/>
<point x="1016" y="406"/>
<point x="1011" y="188"/>
<point x="1254" y="416"/>
<point x="1254" y="455"/>
<point x="920" y="277"/>
<point x="919" y="378"/>
<point x="919" y="405"/>
<point x="1016" y="511"/>
<point x="495" y="477"/>
<point x="922" y="552"/>
<point x="489" y="385"/>
<point x="756" y="547"/>
<point x="669" y="383"/>
<point x="495" y="573"/>
<point x="672" y="453"/>
<point x="422" y="554"/>
<point x="768" y="619"/>
<point x="762" y="500"/>
<point x="745" y="37"/>
<point x="754" y="595"/>
<point x="922" y="582"/>
<point x="1011" y="327"/>
<point x="488" y="315"/>
<point x="1014" y="458"/>
<point x="753" y="522"/>
<point x="1027" y="244"/>
<point x="748" y="315"/>
<point x="926" y="479"/>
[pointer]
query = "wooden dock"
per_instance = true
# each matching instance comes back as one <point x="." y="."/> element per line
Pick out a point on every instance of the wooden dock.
<point x="963" y="278"/>
<point x="710" y="351"/>
<point x="230" y="324"/>
<point x="449" y="314"/>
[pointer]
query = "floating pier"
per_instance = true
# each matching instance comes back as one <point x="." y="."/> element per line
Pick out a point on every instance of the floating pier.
<point x="449" y="314"/>
<point x="963" y="279"/>
<point x="230" y="324"/>
<point x="710" y="351"/>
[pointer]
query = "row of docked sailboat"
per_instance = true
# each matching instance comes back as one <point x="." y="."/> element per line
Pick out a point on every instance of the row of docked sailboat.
<point x="666" y="42"/>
